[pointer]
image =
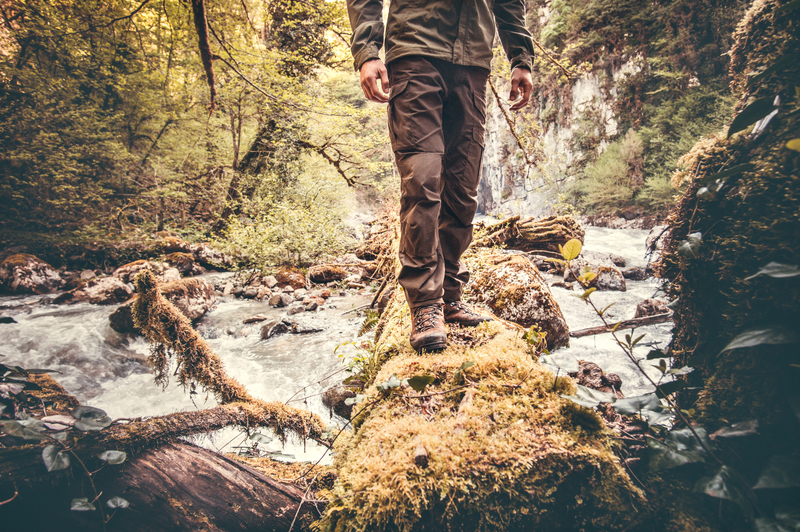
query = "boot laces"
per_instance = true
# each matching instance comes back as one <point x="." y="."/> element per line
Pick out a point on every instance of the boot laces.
<point x="427" y="317"/>
<point x="459" y="306"/>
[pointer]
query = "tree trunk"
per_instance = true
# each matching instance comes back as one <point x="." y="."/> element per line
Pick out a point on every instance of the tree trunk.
<point x="175" y="487"/>
<point x="529" y="235"/>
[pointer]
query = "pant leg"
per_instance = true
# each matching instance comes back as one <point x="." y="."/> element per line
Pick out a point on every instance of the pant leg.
<point x="415" y="129"/>
<point x="463" y="128"/>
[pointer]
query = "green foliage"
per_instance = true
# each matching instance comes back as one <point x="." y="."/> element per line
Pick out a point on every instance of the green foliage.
<point x="303" y="224"/>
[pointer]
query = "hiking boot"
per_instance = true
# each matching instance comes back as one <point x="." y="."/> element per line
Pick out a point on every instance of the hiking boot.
<point x="458" y="312"/>
<point x="428" y="331"/>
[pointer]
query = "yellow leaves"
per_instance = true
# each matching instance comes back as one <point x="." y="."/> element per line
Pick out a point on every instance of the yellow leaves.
<point x="571" y="249"/>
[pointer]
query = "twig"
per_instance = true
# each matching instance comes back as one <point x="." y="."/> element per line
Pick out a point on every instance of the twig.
<point x="16" y="492"/>
<point x="302" y="501"/>
<point x="362" y="307"/>
<point x="328" y="376"/>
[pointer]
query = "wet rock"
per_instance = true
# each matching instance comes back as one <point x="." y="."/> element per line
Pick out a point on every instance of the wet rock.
<point x="325" y="273"/>
<point x="228" y="289"/>
<point x="87" y="274"/>
<point x="334" y="398"/>
<point x="185" y="263"/>
<point x="288" y="290"/>
<point x="26" y="274"/>
<point x="128" y="272"/>
<point x="270" y="281"/>
<point x="290" y="276"/>
<point x="250" y="293"/>
<point x="264" y="293"/>
<point x="599" y="258"/>
<point x="651" y="307"/>
<point x="515" y="290"/>
<point x="255" y="319"/>
<point x="286" y="300"/>
<point x="98" y="291"/>
<point x="193" y="297"/>
<point x="311" y="306"/>
<point x="592" y="376"/>
<point x="609" y="278"/>
<point x="237" y="291"/>
<point x="634" y="273"/>
<point x="7" y="319"/>
<point x="304" y="329"/>
<point x="275" y="300"/>
<point x="300" y="293"/>
<point x="324" y="293"/>
<point x="295" y="310"/>
<point x="273" y="327"/>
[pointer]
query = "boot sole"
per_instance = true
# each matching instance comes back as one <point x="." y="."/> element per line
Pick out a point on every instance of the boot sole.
<point x="431" y="345"/>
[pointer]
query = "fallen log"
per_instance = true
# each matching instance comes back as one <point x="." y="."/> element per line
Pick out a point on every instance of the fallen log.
<point x="529" y="235"/>
<point x="177" y="486"/>
<point x="622" y="325"/>
<point x="502" y="449"/>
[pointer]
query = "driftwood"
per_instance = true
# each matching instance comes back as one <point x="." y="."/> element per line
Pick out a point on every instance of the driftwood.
<point x="625" y="324"/>
<point x="545" y="234"/>
<point x="176" y="487"/>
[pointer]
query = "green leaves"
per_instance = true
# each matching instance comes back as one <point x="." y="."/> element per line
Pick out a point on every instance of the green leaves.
<point x="358" y="399"/>
<point x="27" y="429"/>
<point x="419" y="382"/>
<point x="776" y="270"/>
<point x="563" y="361"/>
<point x="634" y="405"/>
<point x="780" y="472"/>
<point x="90" y="418"/>
<point x="793" y="144"/>
<point x="82" y="504"/>
<point x="751" y="114"/>
<point x="584" y="296"/>
<point x="113" y="457"/>
<point x="117" y="502"/>
<point x="664" y="456"/>
<point x="762" y="335"/>
<point x="779" y="64"/>
<point x="54" y="458"/>
<point x="571" y="249"/>
<point x="458" y="376"/>
<point x="390" y="384"/>
<point x="263" y="438"/>
<point x="727" y="484"/>
<point x="589" y="398"/>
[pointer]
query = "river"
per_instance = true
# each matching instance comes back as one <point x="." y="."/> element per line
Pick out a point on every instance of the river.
<point x="107" y="370"/>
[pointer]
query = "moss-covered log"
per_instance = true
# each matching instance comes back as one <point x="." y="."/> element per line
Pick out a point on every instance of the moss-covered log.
<point x="503" y="450"/>
<point x="545" y="234"/>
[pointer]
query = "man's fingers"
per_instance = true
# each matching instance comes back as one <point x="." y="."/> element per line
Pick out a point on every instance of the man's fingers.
<point x="371" y="71"/>
<point x="384" y="82"/>
<point x="527" y="89"/>
<point x="514" y="89"/>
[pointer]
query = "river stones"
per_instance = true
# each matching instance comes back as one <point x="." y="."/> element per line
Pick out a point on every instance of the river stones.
<point x="325" y="273"/>
<point x="514" y="289"/>
<point x="290" y="276"/>
<point x="609" y="276"/>
<point x="28" y="274"/>
<point x="650" y="307"/>
<point x="193" y="297"/>
<point x="98" y="291"/>
<point x="185" y="263"/>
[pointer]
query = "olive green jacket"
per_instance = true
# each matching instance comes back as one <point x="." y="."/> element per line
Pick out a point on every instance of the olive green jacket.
<point x="459" y="31"/>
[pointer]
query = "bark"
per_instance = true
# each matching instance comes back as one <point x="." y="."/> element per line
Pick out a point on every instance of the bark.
<point x="176" y="487"/>
<point x="529" y="235"/>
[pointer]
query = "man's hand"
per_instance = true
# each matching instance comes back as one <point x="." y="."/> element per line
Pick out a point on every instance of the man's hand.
<point x="520" y="80"/>
<point x="373" y="70"/>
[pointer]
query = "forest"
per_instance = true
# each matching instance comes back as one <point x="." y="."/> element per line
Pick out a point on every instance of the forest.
<point x="201" y="307"/>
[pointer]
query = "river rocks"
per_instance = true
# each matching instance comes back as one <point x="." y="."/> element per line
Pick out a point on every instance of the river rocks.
<point x="609" y="277"/>
<point x="270" y="281"/>
<point x="250" y="292"/>
<point x="634" y="273"/>
<point x="286" y="300"/>
<point x="203" y="253"/>
<point x="26" y="274"/>
<point x="98" y="291"/>
<point x="591" y="375"/>
<point x="295" y="310"/>
<point x="290" y="276"/>
<point x="185" y="263"/>
<point x="273" y="327"/>
<point x="651" y="307"/>
<point x="193" y="297"/>
<point x="515" y="291"/>
<point x="128" y="272"/>
<point x="326" y="273"/>
<point x="255" y="319"/>
<point x="334" y="398"/>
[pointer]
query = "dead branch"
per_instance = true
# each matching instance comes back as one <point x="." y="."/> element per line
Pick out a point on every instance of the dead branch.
<point x="625" y="324"/>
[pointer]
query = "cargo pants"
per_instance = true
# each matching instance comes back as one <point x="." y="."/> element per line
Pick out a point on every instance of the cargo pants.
<point x="437" y="115"/>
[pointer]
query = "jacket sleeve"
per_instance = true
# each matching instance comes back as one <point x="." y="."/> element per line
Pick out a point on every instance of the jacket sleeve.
<point x="366" y="19"/>
<point x="509" y="16"/>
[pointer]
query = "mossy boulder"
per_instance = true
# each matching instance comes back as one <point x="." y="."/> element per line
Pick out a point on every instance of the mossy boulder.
<point x="504" y="452"/>
<point x="98" y="291"/>
<point x="27" y="274"/>
<point x="514" y="289"/>
<point x="127" y="272"/>
<point x="184" y="263"/>
<point x="291" y="276"/>
<point x="325" y="273"/>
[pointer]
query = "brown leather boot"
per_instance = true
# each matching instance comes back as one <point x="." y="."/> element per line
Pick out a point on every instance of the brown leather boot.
<point x="458" y="312"/>
<point x="428" y="330"/>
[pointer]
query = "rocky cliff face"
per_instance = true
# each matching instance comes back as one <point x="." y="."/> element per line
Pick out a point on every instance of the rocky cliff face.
<point x="511" y="186"/>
